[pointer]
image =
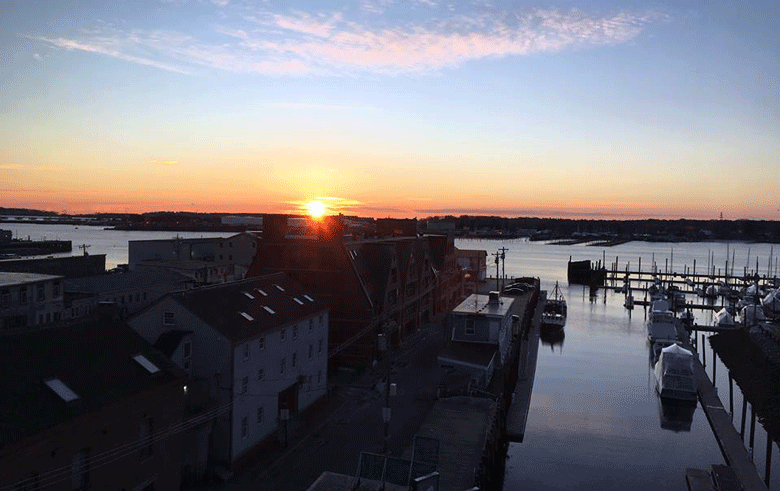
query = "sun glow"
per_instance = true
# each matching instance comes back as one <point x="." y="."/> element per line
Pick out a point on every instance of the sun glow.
<point x="316" y="209"/>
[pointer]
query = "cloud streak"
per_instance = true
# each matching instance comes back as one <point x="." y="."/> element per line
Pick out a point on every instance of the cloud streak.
<point x="301" y="43"/>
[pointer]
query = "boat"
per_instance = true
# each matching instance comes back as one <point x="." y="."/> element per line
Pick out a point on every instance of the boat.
<point x="554" y="313"/>
<point x="674" y="374"/>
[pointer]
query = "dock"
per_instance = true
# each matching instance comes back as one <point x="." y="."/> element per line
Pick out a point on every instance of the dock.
<point x="729" y="441"/>
<point x="517" y="414"/>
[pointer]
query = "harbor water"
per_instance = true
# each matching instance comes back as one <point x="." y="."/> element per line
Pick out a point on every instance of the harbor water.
<point x="595" y="420"/>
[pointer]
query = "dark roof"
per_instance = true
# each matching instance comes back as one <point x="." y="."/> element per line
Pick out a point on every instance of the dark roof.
<point x="474" y="353"/>
<point x="129" y="280"/>
<point x="169" y="341"/>
<point x="221" y="306"/>
<point x="93" y="358"/>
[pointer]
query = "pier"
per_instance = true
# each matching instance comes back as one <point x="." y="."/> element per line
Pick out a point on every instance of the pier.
<point x="517" y="414"/>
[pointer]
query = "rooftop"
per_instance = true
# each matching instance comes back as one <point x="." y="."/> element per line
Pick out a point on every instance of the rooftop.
<point x="271" y="304"/>
<point x="15" y="279"/>
<point x="480" y="305"/>
<point x="50" y="375"/>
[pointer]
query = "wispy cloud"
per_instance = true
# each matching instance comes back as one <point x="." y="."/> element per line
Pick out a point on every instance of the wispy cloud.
<point x="297" y="43"/>
<point x="11" y="166"/>
<point x="164" y="162"/>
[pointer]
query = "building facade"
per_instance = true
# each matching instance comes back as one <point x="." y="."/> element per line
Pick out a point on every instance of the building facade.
<point x="256" y="351"/>
<point x="28" y="299"/>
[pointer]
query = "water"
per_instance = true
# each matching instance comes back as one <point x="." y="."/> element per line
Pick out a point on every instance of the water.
<point x="112" y="243"/>
<point x="595" y="417"/>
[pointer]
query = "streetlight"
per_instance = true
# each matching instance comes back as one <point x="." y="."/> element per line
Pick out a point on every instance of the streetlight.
<point x="383" y="348"/>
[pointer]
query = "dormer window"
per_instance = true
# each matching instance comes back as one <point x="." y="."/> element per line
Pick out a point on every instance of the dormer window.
<point x="61" y="389"/>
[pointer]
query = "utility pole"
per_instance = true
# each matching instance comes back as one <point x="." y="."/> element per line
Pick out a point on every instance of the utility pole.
<point x="498" y="255"/>
<point x="503" y="250"/>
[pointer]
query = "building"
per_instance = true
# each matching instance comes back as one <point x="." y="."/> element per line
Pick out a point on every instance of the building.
<point x="371" y="286"/>
<point x="257" y="347"/>
<point x="67" y="266"/>
<point x="473" y="264"/>
<point x="28" y="299"/>
<point x="206" y="260"/>
<point x="88" y="405"/>
<point x="483" y="327"/>
<point x="130" y="291"/>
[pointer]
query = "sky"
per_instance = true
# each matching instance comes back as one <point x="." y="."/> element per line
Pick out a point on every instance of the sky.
<point x="389" y="108"/>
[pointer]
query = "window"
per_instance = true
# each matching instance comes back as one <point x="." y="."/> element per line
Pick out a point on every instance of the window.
<point x="260" y="415"/>
<point x="244" y="385"/>
<point x="260" y="374"/>
<point x="246" y="351"/>
<point x="187" y="349"/>
<point x="320" y="321"/>
<point x="469" y="326"/>
<point x="311" y="325"/>
<point x="281" y="333"/>
<point x="41" y="293"/>
<point x="295" y="332"/>
<point x="294" y="359"/>
<point x="145" y="297"/>
<point x="5" y="299"/>
<point x="319" y="348"/>
<point x="244" y="427"/>
<point x="281" y="366"/>
<point x="169" y="319"/>
<point x="230" y="257"/>
<point x="319" y="376"/>
<point x="311" y="350"/>
<point x="261" y="343"/>
<point x="23" y="296"/>
<point x="145" y="430"/>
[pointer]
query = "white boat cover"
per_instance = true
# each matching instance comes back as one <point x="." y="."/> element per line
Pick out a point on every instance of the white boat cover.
<point x="771" y="302"/>
<point x="723" y="318"/>
<point x="751" y="315"/>
<point x="674" y="373"/>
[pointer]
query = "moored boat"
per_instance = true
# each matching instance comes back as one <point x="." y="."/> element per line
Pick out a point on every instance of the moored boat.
<point x="555" y="310"/>
<point x="674" y="374"/>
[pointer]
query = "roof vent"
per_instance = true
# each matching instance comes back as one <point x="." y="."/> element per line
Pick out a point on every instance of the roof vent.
<point x="247" y="316"/>
<point x="308" y="298"/>
<point x="297" y="300"/>
<point x="249" y="295"/>
<point x="269" y="309"/>
<point x="261" y="292"/>
<point x="279" y="288"/>
<point x="493" y="298"/>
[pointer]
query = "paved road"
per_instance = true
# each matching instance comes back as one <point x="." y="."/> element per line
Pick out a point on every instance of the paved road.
<point x="355" y="424"/>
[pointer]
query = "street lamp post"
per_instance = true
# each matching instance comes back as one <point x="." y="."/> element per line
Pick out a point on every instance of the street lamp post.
<point x="383" y="348"/>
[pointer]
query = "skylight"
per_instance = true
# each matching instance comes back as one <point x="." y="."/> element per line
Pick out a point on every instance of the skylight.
<point x="249" y="295"/>
<point x="308" y="298"/>
<point x="247" y="316"/>
<point x="269" y="309"/>
<point x="144" y="362"/>
<point x="297" y="300"/>
<point x="61" y="389"/>
<point x="262" y="292"/>
<point x="279" y="288"/>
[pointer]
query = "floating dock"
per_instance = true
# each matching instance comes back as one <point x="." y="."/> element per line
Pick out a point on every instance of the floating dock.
<point x="729" y="441"/>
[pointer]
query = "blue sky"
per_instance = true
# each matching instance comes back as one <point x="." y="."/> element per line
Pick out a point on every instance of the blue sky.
<point x="392" y="108"/>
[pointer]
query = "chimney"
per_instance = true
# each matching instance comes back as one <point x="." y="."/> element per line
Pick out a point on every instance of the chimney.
<point x="493" y="298"/>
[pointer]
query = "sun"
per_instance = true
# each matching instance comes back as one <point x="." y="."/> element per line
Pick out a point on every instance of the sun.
<point x="316" y="209"/>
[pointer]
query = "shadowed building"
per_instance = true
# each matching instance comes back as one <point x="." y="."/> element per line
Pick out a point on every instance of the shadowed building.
<point x="89" y="405"/>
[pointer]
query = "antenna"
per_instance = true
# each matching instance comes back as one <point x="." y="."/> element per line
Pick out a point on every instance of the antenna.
<point x="84" y="248"/>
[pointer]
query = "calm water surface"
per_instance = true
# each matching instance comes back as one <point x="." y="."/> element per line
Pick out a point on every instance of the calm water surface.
<point x="112" y="243"/>
<point x="595" y="417"/>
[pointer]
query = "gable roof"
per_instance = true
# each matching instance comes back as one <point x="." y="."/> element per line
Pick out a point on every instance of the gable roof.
<point x="245" y="309"/>
<point x="92" y="360"/>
